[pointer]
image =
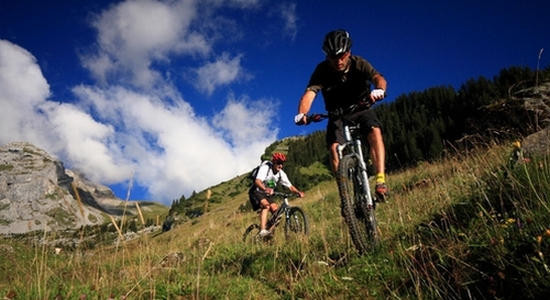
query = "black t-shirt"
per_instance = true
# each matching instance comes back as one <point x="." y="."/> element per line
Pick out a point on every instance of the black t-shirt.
<point x="342" y="89"/>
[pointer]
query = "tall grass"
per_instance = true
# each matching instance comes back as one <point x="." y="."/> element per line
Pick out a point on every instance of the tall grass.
<point x="469" y="227"/>
<point x="487" y="244"/>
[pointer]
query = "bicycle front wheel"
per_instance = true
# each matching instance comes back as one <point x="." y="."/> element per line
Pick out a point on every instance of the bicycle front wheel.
<point x="361" y="220"/>
<point x="296" y="223"/>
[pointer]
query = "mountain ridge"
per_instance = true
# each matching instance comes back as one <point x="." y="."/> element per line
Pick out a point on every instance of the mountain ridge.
<point x="37" y="192"/>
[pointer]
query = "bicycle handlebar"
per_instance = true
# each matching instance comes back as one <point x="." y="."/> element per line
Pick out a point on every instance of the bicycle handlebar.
<point x="285" y="195"/>
<point x="338" y="113"/>
<point x="315" y="118"/>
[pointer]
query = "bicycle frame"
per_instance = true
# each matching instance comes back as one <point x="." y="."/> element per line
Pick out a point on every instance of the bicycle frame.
<point x="358" y="203"/>
<point x="276" y="216"/>
<point x="288" y="212"/>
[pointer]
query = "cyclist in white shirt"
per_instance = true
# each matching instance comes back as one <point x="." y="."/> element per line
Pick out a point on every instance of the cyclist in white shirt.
<point x="269" y="175"/>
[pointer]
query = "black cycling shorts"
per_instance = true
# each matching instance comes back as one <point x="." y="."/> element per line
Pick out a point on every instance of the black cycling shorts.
<point x="255" y="196"/>
<point x="366" y="118"/>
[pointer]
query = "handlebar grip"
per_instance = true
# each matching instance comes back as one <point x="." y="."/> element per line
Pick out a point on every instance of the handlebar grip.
<point x="315" y="118"/>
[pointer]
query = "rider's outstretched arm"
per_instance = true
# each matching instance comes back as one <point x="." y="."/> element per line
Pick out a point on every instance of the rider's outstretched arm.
<point x="296" y="191"/>
<point x="304" y="106"/>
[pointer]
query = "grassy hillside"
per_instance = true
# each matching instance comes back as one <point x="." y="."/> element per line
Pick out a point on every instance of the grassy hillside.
<point x="470" y="227"/>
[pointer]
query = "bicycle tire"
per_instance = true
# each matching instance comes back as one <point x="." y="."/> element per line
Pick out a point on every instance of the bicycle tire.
<point x="361" y="222"/>
<point x="252" y="234"/>
<point x="296" y="223"/>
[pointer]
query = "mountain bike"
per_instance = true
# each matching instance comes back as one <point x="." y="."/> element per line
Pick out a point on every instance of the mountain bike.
<point x="294" y="216"/>
<point x="357" y="201"/>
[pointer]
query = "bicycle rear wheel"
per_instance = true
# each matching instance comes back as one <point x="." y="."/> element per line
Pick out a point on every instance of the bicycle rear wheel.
<point x="361" y="220"/>
<point x="296" y="223"/>
<point x="252" y="234"/>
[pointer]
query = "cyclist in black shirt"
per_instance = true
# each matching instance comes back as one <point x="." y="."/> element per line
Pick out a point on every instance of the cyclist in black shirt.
<point x="344" y="80"/>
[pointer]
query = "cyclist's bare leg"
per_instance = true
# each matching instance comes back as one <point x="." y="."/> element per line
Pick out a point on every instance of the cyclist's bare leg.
<point x="263" y="213"/>
<point x="272" y="208"/>
<point x="377" y="153"/>
<point x="334" y="159"/>
<point x="377" y="149"/>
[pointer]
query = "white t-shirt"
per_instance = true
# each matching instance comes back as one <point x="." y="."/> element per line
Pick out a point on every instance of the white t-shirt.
<point x="270" y="180"/>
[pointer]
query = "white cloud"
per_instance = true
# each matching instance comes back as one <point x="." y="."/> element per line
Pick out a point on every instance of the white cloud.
<point x="288" y="14"/>
<point x="245" y="3"/>
<point x="132" y="35"/>
<point x="87" y="144"/>
<point x="20" y="76"/>
<point x="114" y="132"/>
<point x="22" y="91"/>
<point x="243" y="121"/>
<point x="135" y="123"/>
<point x="223" y="71"/>
<point x="173" y="150"/>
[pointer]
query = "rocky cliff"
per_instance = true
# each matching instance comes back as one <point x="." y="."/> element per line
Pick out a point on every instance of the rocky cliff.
<point x="38" y="193"/>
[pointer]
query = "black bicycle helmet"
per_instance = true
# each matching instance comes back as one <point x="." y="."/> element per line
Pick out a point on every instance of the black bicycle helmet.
<point x="336" y="42"/>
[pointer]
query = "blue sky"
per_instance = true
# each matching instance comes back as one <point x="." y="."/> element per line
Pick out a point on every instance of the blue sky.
<point x="163" y="98"/>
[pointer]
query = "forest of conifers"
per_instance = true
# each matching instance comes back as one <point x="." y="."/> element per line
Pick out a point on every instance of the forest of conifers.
<point x="427" y="125"/>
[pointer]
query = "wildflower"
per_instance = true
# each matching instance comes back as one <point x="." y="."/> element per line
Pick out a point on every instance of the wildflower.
<point x="516" y="155"/>
<point x="539" y="239"/>
<point x="547" y="232"/>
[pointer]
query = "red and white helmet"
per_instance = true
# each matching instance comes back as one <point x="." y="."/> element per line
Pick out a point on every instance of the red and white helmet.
<point x="278" y="157"/>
